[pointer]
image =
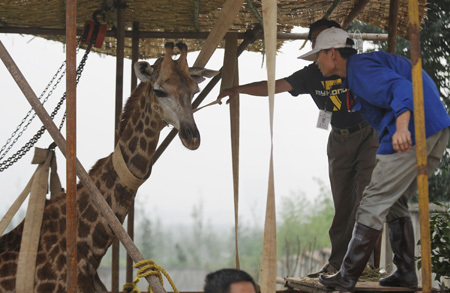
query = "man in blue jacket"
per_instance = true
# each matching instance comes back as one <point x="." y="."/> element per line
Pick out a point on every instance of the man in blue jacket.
<point x="382" y="88"/>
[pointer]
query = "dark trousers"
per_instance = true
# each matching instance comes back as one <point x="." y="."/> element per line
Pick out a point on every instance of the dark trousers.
<point x="351" y="159"/>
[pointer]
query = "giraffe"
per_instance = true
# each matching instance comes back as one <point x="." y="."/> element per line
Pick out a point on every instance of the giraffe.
<point x="163" y="97"/>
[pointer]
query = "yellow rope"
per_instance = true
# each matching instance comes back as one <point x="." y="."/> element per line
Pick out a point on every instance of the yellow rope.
<point x="145" y="269"/>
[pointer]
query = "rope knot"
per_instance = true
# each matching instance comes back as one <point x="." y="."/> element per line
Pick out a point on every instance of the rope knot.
<point x="145" y="269"/>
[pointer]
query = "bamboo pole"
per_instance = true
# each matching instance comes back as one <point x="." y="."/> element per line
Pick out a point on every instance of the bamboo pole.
<point x="174" y="35"/>
<point x="421" y="151"/>
<point x="71" y="152"/>
<point x="268" y="270"/>
<point x="393" y="23"/>
<point x="229" y="12"/>
<point x="97" y="197"/>
<point x="130" y="219"/>
<point x="229" y="79"/>
<point x="354" y="13"/>
<point x="120" y="36"/>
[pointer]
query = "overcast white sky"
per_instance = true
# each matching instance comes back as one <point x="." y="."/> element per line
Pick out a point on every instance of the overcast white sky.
<point x="181" y="178"/>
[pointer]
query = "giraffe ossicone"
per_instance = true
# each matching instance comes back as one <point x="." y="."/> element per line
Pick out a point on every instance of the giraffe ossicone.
<point x="163" y="97"/>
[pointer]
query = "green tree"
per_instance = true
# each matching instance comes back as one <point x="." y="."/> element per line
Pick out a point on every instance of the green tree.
<point x="198" y="245"/>
<point x="303" y="227"/>
<point x="251" y="235"/>
<point x="310" y="220"/>
<point x="146" y="243"/>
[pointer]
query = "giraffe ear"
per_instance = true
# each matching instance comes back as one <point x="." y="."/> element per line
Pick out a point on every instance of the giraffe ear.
<point x="143" y="70"/>
<point x="198" y="74"/>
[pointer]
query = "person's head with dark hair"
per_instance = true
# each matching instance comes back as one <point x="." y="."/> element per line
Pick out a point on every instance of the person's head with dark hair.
<point x="229" y="281"/>
<point x="317" y="27"/>
<point x="331" y="52"/>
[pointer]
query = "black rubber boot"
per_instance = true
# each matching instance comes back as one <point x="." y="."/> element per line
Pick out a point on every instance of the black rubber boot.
<point x="401" y="235"/>
<point x="326" y="269"/>
<point x="359" y="249"/>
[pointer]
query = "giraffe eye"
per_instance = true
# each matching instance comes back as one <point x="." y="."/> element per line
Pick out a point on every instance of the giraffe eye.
<point x="159" y="93"/>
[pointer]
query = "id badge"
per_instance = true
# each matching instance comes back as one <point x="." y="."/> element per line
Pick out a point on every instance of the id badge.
<point x="324" y="119"/>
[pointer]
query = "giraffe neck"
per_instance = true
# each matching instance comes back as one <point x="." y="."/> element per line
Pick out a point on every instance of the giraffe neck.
<point x="138" y="134"/>
<point x="138" y="138"/>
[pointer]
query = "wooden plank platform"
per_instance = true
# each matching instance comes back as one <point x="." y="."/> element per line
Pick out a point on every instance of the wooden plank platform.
<point x="312" y="285"/>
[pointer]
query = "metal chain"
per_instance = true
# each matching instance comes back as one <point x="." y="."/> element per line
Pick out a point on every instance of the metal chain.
<point x="3" y="152"/>
<point x="22" y="151"/>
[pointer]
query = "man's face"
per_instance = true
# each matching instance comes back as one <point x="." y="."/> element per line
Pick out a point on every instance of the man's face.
<point x="325" y="62"/>
<point x="242" y="287"/>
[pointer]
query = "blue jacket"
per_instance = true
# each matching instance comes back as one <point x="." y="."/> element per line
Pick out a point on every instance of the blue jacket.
<point x="382" y="88"/>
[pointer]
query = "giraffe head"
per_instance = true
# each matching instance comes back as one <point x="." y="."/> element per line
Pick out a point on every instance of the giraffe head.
<point x="172" y="87"/>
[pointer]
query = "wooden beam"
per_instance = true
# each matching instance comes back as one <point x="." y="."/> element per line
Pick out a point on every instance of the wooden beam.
<point x="354" y="13"/>
<point x="120" y="55"/>
<point x="229" y="12"/>
<point x="421" y="145"/>
<point x="172" y="35"/>
<point x="392" y="29"/>
<point x="71" y="153"/>
<point x="229" y="79"/>
<point x="268" y="269"/>
<point x="130" y="218"/>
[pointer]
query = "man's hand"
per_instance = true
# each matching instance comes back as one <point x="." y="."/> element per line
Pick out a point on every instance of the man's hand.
<point x="231" y="92"/>
<point x="401" y="140"/>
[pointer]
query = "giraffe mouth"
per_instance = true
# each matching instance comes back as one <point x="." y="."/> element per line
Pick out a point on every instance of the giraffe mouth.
<point x="190" y="136"/>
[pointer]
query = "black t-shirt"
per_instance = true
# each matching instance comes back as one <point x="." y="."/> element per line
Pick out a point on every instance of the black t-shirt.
<point x="326" y="93"/>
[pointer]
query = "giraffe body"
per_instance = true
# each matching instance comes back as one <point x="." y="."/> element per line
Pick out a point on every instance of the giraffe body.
<point x="163" y="97"/>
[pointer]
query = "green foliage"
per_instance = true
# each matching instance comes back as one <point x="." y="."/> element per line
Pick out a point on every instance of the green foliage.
<point x="308" y="221"/>
<point x="440" y="244"/>
<point x="439" y="183"/>
<point x="147" y="241"/>
<point x="303" y="228"/>
<point x="250" y="246"/>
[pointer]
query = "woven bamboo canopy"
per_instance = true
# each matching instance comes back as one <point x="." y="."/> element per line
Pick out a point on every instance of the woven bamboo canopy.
<point x="192" y="19"/>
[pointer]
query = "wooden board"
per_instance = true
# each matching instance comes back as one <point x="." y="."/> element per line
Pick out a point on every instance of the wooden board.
<point x="312" y="285"/>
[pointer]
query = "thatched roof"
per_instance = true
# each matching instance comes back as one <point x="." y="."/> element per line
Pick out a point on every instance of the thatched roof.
<point x="193" y="16"/>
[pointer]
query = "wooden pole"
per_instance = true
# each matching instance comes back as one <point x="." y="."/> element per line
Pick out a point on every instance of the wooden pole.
<point x="115" y="266"/>
<point x="354" y="13"/>
<point x="130" y="218"/>
<point x="421" y="150"/>
<point x="93" y="191"/>
<point x="174" y="35"/>
<point x="228" y="80"/>
<point x="71" y="154"/>
<point x="393" y="23"/>
<point x="268" y="270"/>
<point x="229" y="12"/>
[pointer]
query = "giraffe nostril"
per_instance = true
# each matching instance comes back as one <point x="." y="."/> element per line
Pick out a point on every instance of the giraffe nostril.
<point x="190" y="136"/>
